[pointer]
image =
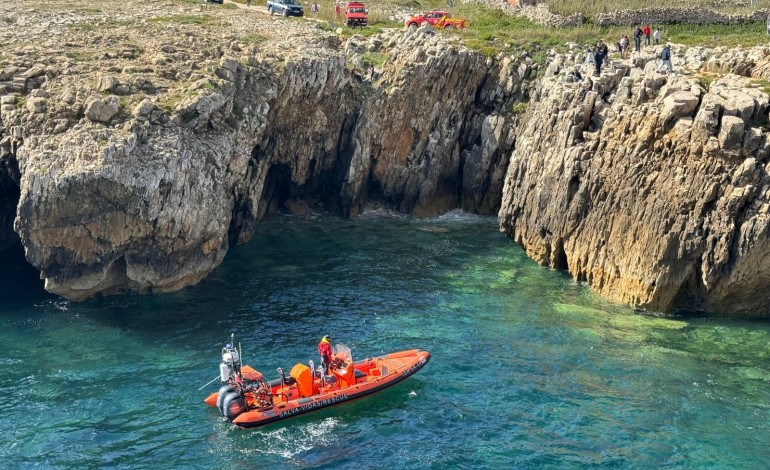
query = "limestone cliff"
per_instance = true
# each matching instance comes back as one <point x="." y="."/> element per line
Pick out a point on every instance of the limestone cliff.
<point x="139" y="141"/>
<point x="143" y="154"/>
<point x="652" y="189"/>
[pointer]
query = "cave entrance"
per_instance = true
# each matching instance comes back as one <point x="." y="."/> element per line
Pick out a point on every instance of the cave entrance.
<point x="19" y="280"/>
<point x="277" y="190"/>
<point x="9" y="200"/>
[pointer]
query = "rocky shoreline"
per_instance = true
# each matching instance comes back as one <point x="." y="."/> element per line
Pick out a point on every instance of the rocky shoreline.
<point x="139" y="141"/>
<point x="148" y="144"/>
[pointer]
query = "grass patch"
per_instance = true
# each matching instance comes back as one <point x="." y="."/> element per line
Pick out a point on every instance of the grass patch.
<point x="369" y="31"/>
<point x="491" y="31"/>
<point x="705" y="80"/>
<point x="520" y="107"/>
<point x="253" y="38"/>
<point x="763" y="85"/>
<point x="716" y="34"/>
<point x="377" y="59"/>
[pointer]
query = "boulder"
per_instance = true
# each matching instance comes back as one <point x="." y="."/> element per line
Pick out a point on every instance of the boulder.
<point x="102" y="109"/>
<point x="678" y="104"/>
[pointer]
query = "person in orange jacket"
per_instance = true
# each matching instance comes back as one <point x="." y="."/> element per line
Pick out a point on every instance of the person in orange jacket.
<point x="325" y="350"/>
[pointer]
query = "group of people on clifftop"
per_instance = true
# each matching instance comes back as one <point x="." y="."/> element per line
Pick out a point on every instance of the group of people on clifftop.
<point x="599" y="54"/>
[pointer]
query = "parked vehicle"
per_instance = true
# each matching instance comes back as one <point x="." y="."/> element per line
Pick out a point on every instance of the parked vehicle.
<point x="285" y="7"/>
<point x="355" y="14"/>
<point x="440" y="19"/>
<point x="216" y="1"/>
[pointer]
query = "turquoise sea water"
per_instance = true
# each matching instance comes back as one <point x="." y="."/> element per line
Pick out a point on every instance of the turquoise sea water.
<point x="529" y="369"/>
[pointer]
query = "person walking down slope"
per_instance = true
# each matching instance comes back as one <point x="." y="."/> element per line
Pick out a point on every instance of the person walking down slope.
<point x="624" y="47"/>
<point x="599" y="56"/>
<point x="646" y="31"/>
<point x="656" y="35"/>
<point x="665" y="59"/>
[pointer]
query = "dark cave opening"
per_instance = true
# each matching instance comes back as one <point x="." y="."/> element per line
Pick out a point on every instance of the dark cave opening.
<point x="276" y="191"/>
<point x="19" y="280"/>
<point x="9" y="199"/>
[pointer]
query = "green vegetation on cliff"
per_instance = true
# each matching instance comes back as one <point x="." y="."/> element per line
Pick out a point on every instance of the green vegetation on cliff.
<point x="590" y="8"/>
<point x="491" y="31"/>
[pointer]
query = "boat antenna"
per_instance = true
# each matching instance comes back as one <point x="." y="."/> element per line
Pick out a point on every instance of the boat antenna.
<point x="240" y="357"/>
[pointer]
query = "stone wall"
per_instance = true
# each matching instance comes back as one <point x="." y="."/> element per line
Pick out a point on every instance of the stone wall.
<point x="668" y="15"/>
<point x="540" y="14"/>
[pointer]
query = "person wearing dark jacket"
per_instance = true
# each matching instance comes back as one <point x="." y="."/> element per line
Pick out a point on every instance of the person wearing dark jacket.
<point x="638" y="38"/>
<point x="601" y="53"/>
<point x="665" y="58"/>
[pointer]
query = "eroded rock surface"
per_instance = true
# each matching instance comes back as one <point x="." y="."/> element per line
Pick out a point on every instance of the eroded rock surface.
<point x="148" y="138"/>
<point x="652" y="189"/>
<point x="138" y="141"/>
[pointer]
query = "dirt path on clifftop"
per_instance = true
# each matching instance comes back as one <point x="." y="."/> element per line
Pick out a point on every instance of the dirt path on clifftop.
<point x="255" y="8"/>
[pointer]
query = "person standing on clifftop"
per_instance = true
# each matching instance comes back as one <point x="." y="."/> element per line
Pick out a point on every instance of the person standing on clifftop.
<point x="336" y="11"/>
<point x="656" y="35"/>
<point x="665" y="59"/>
<point x="638" y="39"/>
<point x="314" y="9"/>
<point x="646" y="31"/>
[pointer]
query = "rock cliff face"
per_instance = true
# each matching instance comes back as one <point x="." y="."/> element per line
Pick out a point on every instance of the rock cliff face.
<point x="140" y="163"/>
<point x="139" y="141"/>
<point x="650" y="188"/>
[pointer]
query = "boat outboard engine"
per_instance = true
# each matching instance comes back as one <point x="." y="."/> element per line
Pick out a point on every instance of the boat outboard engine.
<point x="230" y="399"/>
<point x="230" y="366"/>
<point x="233" y="404"/>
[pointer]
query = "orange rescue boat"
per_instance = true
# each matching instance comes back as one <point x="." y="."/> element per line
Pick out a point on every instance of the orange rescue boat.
<point x="248" y="400"/>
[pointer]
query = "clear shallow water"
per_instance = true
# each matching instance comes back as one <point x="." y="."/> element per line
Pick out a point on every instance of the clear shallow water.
<point x="529" y="369"/>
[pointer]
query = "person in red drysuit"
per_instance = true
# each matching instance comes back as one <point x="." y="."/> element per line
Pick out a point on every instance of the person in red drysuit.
<point x="325" y="350"/>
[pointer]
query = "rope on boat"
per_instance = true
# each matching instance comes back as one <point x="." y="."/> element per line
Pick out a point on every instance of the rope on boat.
<point x="210" y="382"/>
